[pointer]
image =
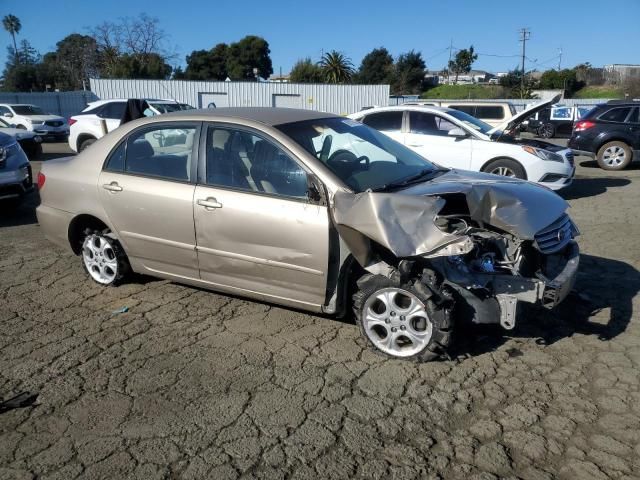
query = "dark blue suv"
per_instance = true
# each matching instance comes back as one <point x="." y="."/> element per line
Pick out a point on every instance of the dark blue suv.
<point x="611" y="131"/>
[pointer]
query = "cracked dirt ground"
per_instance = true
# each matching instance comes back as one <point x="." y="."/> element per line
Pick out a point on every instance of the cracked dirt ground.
<point x="191" y="384"/>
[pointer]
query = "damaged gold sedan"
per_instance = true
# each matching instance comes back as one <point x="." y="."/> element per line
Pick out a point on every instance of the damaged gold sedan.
<point x="313" y="211"/>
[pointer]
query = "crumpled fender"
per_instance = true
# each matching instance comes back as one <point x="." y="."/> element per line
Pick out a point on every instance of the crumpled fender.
<point x="403" y="221"/>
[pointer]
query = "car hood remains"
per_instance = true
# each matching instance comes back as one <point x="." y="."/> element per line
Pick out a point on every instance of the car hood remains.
<point x="404" y="221"/>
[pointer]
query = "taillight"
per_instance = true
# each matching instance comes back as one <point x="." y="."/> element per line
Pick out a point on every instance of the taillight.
<point x="41" y="180"/>
<point x="583" y="125"/>
<point x="72" y="121"/>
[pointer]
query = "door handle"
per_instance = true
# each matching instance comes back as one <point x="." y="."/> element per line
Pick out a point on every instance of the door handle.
<point x="112" y="187"/>
<point x="209" y="203"/>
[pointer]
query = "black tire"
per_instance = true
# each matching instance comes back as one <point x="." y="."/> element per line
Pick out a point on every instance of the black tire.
<point x="547" y="130"/>
<point x="123" y="267"/>
<point x="607" y="162"/>
<point x="86" y="144"/>
<point x="505" y="164"/>
<point x="441" y="320"/>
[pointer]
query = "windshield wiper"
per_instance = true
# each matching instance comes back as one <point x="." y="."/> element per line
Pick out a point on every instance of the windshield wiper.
<point x="416" y="178"/>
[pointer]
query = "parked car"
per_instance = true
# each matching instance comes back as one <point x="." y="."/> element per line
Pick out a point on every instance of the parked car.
<point x="492" y="113"/>
<point x="34" y="119"/>
<point x="30" y="142"/>
<point x="611" y="131"/>
<point x="259" y="202"/>
<point x="15" y="170"/>
<point x="87" y="126"/>
<point x="557" y="120"/>
<point x="454" y="139"/>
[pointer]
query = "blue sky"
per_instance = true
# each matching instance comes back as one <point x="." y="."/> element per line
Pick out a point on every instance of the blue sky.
<point x="595" y="31"/>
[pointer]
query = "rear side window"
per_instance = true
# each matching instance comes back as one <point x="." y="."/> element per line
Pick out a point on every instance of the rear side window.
<point x="384" y="121"/>
<point x="616" y="114"/>
<point x="113" y="110"/>
<point x="635" y="116"/>
<point x="470" y="109"/>
<point x="163" y="151"/>
<point x="491" y="112"/>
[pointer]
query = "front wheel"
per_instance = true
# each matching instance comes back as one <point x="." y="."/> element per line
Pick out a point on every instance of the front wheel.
<point x="86" y="144"/>
<point x="400" y="321"/>
<point x="507" y="168"/>
<point x="614" y="155"/>
<point x="104" y="259"/>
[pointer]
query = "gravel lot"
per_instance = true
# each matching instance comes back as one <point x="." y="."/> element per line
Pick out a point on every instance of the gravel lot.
<point x="190" y="384"/>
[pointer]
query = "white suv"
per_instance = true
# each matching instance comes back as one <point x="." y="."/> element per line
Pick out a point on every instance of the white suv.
<point x="455" y="139"/>
<point x="87" y="126"/>
<point x="34" y="119"/>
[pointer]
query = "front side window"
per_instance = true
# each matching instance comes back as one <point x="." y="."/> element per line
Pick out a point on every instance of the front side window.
<point x="4" y="111"/>
<point x="471" y="122"/>
<point x="616" y="114"/>
<point x="241" y="160"/>
<point x="384" y="121"/>
<point x="361" y="157"/>
<point x="163" y="151"/>
<point x="429" y="124"/>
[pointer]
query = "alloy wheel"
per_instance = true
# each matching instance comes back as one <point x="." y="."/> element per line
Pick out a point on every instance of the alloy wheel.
<point x="396" y="322"/>
<point x="614" y="156"/>
<point x="504" y="171"/>
<point x="99" y="258"/>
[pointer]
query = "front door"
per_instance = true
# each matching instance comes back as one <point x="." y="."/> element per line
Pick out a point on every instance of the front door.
<point x="147" y="193"/>
<point x="256" y="230"/>
<point x="428" y="135"/>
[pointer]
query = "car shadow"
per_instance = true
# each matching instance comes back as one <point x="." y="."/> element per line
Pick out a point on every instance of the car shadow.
<point x="583" y="187"/>
<point x="594" y="164"/>
<point x="601" y="305"/>
<point x="15" y="212"/>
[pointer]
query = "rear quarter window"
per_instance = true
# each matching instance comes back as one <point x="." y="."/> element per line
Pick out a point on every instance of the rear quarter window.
<point x="618" y="114"/>
<point x="491" y="112"/>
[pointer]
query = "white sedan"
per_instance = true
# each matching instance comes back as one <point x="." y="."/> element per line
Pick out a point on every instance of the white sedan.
<point x="457" y="140"/>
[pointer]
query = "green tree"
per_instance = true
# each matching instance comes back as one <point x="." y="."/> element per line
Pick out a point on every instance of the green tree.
<point x="75" y="60"/>
<point x="208" y="64"/>
<point x="561" y="79"/>
<point x="12" y="25"/>
<point x="409" y="74"/>
<point x="376" y="68"/>
<point x="336" y="67"/>
<point x="306" y="71"/>
<point x="462" y="62"/>
<point x="250" y="53"/>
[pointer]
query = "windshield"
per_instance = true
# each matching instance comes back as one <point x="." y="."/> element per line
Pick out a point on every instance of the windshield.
<point x="170" y="107"/>
<point x="27" y="110"/>
<point x="360" y="156"/>
<point x="470" y="121"/>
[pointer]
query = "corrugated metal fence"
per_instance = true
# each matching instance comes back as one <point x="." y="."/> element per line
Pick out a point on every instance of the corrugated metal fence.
<point x="517" y="103"/>
<point x="64" y="104"/>
<point x="339" y="99"/>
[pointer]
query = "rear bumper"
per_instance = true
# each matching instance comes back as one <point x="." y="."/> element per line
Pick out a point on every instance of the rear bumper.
<point x="55" y="225"/>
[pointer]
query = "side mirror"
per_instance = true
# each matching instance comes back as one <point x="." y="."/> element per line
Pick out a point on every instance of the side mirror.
<point x="457" y="133"/>
<point x="7" y="114"/>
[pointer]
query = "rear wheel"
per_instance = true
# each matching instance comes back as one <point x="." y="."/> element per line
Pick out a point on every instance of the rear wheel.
<point x="400" y="321"/>
<point x="506" y="167"/>
<point x="103" y="258"/>
<point x="86" y="144"/>
<point x="547" y="130"/>
<point x="614" y="155"/>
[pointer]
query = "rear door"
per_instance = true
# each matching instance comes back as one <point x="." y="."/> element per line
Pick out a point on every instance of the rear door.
<point x="428" y="135"/>
<point x="257" y="232"/>
<point x="147" y="190"/>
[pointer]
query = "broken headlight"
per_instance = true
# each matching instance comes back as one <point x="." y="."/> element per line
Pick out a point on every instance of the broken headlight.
<point x="543" y="154"/>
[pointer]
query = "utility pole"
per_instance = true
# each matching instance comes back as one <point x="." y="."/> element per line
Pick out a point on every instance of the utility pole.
<point x="559" y="58"/>
<point x="449" y="63"/>
<point x="524" y="36"/>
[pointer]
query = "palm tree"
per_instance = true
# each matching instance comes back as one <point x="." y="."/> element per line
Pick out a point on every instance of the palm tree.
<point x="12" y="25"/>
<point x="337" y="68"/>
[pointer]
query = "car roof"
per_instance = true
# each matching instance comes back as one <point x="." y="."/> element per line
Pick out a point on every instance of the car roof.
<point x="266" y="115"/>
<point x="412" y="106"/>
